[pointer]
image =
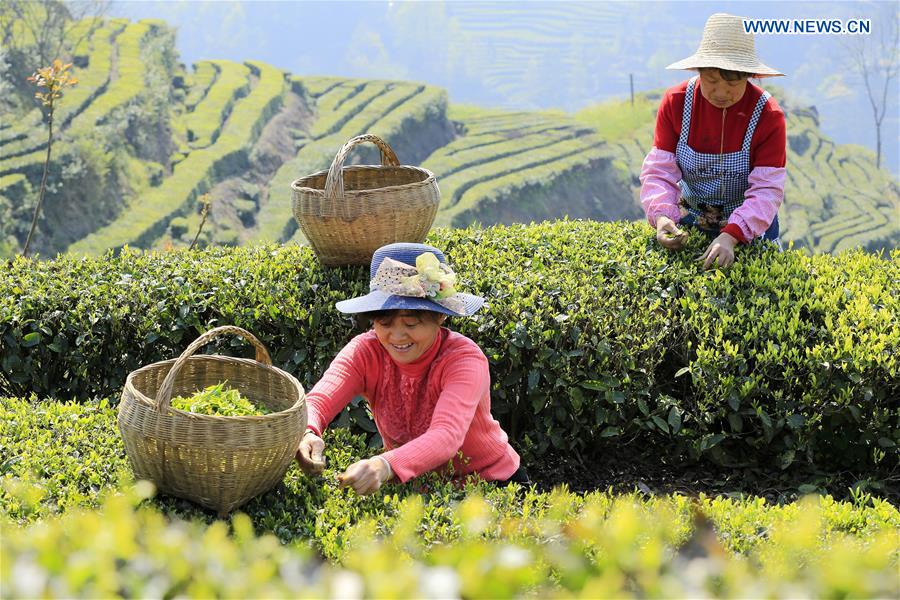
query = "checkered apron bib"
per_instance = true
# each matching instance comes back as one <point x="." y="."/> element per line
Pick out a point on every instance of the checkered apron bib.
<point x="713" y="185"/>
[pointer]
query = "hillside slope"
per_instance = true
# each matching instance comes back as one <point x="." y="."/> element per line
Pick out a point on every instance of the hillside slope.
<point x="518" y="167"/>
<point x="142" y="140"/>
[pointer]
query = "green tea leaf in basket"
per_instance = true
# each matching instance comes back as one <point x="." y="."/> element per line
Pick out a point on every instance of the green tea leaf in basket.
<point x="218" y="400"/>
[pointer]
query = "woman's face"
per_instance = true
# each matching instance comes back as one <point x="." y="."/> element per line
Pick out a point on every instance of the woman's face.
<point x="407" y="334"/>
<point x="719" y="92"/>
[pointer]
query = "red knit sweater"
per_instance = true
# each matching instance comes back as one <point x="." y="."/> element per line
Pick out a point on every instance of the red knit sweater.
<point x="767" y="147"/>
<point x="426" y="412"/>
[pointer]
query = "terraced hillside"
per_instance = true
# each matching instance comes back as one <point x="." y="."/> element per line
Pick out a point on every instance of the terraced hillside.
<point x="23" y="142"/>
<point x="834" y="196"/>
<point x="552" y="43"/>
<point x="515" y="167"/>
<point x="146" y="218"/>
<point x="239" y="133"/>
<point x="143" y="140"/>
<point x="411" y="117"/>
<point x="104" y="136"/>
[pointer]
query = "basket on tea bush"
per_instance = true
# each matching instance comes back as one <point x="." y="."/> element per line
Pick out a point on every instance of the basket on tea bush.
<point x="219" y="462"/>
<point x="347" y="213"/>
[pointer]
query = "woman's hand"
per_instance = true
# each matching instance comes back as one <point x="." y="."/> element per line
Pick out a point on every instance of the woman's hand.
<point x="366" y="476"/>
<point x="309" y="453"/>
<point x="668" y="234"/>
<point x="720" y="252"/>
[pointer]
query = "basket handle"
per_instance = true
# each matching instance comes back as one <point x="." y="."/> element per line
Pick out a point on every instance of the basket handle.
<point x="164" y="395"/>
<point x="334" y="182"/>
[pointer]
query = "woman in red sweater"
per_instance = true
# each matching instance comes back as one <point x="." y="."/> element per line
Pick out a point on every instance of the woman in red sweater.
<point x="719" y="151"/>
<point x="428" y="387"/>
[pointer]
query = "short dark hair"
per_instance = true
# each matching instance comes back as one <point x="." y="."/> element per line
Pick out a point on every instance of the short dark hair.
<point x="729" y="75"/>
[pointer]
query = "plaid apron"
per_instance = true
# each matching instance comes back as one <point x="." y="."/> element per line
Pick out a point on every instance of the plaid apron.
<point x="713" y="185"/>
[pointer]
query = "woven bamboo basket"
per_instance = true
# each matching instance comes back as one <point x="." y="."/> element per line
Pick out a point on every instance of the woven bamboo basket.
<point x="347" y="213"/>
<point x="216" y="461"/>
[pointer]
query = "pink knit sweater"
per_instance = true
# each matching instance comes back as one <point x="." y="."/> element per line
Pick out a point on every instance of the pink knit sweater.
<point x="426" y="412"/>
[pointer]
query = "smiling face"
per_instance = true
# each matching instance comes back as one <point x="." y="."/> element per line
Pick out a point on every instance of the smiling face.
<point x="719" y="91"/>
<point x="407" y="334"/>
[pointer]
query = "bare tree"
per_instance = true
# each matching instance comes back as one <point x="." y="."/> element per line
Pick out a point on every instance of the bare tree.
<point x="877" y="63"/>
<point x="44" y="30"/>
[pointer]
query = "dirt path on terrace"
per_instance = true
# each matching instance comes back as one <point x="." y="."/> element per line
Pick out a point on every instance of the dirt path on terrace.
<point x="274" y="147"/>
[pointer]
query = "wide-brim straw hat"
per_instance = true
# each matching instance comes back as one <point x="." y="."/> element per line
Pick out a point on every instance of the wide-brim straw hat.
<point x="725" y="45"/>
<point x="384" y="296"/>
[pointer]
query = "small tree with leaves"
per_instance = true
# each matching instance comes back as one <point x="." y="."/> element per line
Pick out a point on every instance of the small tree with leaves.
<point x="205" y="203"/>
<point x="54" y="79"/>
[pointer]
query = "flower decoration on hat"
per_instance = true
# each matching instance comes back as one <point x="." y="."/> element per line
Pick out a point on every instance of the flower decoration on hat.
<point x="430" y="279"/>
<point x="437" y="280"/>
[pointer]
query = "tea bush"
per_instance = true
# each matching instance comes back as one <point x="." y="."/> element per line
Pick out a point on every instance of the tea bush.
<point x="607" y="547"/>
<point x="55" y="456"/>
<point x="595" y="336"/>
<point x="74" y="525"/>
<point x="59" y="456"/>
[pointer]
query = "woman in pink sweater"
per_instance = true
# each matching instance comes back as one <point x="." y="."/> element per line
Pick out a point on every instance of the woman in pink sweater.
<point x="427" y="387"/>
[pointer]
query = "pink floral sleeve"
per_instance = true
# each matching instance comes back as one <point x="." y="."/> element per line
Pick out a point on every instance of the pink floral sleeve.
<point x="659" y="186"/>
<point x="761" y="201"/>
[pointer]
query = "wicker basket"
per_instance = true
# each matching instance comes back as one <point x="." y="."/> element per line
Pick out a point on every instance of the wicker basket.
<point x="216" y="461"/>
<point x="347" y="213"/>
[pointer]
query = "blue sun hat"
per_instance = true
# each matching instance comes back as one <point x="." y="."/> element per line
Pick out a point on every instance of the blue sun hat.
<point x="407" y="276"/>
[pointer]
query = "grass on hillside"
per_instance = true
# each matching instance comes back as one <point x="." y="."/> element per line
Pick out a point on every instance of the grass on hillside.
<point x="617" y="119"/>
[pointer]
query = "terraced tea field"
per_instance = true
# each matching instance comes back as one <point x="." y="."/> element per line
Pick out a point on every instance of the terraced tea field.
<point x="161" y="136"/>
